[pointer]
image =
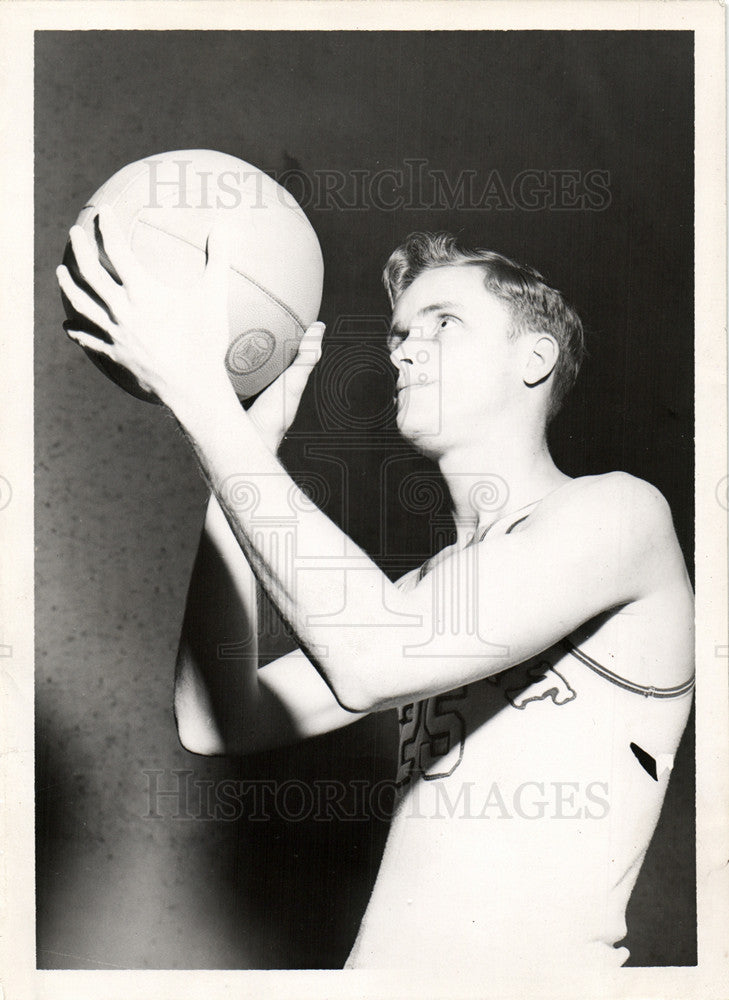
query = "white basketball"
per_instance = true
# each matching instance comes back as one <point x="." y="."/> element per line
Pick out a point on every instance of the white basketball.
<point x="167" y="204"/>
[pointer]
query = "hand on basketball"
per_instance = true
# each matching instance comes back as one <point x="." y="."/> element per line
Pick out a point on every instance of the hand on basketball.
<point x="173" y="340"/>
<point x="274" y="410"/>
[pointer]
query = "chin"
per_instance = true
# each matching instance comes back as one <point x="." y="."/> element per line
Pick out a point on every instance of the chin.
<point x="423" y="439"/>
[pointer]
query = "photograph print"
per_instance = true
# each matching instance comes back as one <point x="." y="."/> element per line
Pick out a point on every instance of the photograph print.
<point x="364" y="500"/>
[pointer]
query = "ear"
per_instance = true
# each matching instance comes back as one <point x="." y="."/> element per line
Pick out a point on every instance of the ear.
<point x="541" y="358"/>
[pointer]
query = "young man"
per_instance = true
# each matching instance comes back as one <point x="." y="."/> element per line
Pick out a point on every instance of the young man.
<point x="541" y="665"/>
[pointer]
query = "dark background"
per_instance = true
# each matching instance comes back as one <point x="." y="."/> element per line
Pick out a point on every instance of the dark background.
<point x="119" y="502"/>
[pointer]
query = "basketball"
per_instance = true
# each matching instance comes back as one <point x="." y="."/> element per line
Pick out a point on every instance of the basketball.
<point x="166" y="206"/>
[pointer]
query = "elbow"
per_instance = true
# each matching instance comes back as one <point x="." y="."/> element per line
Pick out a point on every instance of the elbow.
<point x="199" y="742"/>
<point x="356" y="696"/>
<point x="354" y="704"/>
<point x="197" y="735"/>
<point x="360" y="682"/>
<point x="203" y="745"/>
<point x="197" y="729"/>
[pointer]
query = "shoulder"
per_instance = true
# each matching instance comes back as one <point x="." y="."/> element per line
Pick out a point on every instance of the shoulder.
<point x="615" y="499"/>
<point x="618" y="522"/>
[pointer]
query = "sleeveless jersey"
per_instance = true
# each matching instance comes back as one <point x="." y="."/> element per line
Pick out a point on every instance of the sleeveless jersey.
<point x="525" y="805"/>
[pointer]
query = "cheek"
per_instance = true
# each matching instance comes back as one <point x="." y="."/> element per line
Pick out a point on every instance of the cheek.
<point x="465" y="379"/>
<point x="482" y="369"/>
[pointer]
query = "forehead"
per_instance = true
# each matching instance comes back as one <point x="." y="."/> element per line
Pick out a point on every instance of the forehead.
<point x="452" y="286"/>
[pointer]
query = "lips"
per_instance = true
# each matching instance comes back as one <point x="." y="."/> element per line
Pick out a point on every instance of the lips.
<point x="402" y="398"/>
<point x="411" y="385"/>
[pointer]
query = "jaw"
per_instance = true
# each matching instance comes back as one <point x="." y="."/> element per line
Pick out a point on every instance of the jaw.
<point x="429" y="441"/>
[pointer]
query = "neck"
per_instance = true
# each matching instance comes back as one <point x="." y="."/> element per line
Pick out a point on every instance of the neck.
<point x="490" y="479"/>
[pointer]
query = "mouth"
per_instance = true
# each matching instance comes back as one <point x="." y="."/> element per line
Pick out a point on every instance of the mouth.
<point x="411" y="385"/>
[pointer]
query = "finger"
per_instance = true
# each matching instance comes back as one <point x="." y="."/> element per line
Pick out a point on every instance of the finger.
<point x="296" y="376"/>
<point x="115" y="252"/>
<point x="310" y="347"/>
<point x="82" y="302"/>
<point x="89" y="266"/>
<point x="88" y="341"/>
<point x="292" y="381"/>
<point x="275" y="409"/>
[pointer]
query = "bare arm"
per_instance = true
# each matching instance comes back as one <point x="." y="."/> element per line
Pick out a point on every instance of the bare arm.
<point x="605" y="542"/>
<point x="603" y="545"/>
<point x="225" y="704"/>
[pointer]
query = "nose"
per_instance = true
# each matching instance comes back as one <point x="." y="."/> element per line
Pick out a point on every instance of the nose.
<point x="399" y="357"/>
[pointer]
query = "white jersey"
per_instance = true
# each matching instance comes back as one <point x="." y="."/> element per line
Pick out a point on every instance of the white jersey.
<point x="526" y="803"/>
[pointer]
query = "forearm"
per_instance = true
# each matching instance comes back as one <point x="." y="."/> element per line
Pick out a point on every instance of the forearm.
<point x="216" y="688"/>
<point x="309" y="567"/>
<point x="201" y="726"/>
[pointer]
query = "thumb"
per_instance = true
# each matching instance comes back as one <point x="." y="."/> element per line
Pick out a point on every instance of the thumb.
<point x="275" y="409"/>
<point x="297" y="374"/>
<point x="295" y="377"/>
<point x="309" y="351"/>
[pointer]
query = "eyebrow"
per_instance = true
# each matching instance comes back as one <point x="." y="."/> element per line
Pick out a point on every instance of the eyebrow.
<point x="425" y="311"/>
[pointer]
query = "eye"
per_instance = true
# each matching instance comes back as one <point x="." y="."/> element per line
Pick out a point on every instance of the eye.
<point x="444" y="321"/>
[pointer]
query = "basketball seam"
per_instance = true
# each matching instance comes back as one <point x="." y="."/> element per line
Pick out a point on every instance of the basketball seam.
<point x="133" y="178"/>
<point x="247" y="277"/>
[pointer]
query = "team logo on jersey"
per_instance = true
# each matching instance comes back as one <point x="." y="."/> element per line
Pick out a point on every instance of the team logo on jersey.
<point x="429" y="730"/>
<point x="543" y="681"/>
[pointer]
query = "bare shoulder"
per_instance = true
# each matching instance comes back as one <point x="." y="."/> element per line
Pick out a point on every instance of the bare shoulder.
<point x="613" y="498"/>
<point x="619" y="521"/>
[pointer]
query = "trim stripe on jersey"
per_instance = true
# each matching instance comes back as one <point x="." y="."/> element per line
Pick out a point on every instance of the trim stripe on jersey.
<point x="647" y="692"/>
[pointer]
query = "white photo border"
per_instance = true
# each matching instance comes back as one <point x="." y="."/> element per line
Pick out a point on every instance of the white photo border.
<point x="19" y="978"/>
